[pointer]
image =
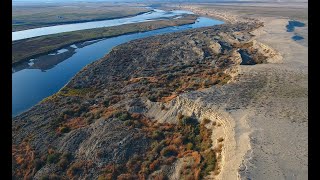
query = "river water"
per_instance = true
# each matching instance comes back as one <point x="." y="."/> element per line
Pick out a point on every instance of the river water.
<point x="45" y="75"/>
<point x="149" y="16"/>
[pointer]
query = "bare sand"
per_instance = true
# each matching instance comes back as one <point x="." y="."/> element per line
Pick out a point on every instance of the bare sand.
<point x="268" y="138"/>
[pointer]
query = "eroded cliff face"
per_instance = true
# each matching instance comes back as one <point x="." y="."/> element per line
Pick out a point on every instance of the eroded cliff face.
<point x="151" y="108"/>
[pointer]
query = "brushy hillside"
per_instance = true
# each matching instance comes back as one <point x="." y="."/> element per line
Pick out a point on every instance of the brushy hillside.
<point x="97" y="127"/>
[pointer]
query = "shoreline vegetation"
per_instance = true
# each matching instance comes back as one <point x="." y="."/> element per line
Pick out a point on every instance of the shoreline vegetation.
<point x="29" y="48"/>
<point x="25" y="18"/>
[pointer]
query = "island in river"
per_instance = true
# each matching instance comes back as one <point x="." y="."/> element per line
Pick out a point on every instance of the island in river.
<point x="42" y="15"/>
<point x="26" y="49"/>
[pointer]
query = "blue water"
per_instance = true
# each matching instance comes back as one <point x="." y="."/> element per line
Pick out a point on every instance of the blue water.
<point x="292" y="24"/>
<point x="30" y="86"/>
<point x="297" y="37"/>
<point x="149" y="16"/>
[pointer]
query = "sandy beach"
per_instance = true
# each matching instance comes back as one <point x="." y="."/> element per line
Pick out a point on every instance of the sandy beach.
<point x="268" y="138"/>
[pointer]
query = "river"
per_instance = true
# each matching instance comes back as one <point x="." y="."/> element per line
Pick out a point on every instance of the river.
<point x="45" y="75"/>
<point x="149" y="16"/>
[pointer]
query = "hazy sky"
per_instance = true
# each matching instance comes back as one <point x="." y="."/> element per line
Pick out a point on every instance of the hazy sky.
<point x="153" y="0"/>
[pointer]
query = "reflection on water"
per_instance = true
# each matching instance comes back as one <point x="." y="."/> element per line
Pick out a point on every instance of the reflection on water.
<point x="50" y="60"/>
<point x="45" y="62"/>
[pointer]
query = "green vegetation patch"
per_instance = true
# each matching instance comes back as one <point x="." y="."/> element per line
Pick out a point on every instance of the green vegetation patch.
<point x="53" y="158"/>
<point x="75" y="92"/>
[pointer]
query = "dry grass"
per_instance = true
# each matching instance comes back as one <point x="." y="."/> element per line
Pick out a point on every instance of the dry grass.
<point x="169" y="142"/>
<point x="23" y="155"/>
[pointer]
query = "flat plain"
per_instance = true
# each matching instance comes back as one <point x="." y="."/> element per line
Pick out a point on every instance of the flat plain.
<point x="39" y="15"/>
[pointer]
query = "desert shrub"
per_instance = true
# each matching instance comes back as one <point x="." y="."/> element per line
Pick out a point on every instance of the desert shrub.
<point x="53" y="158"/>
<point x="38" y="163"/>
<point x="64" y="129"/>
<point x="67" y="112"/>
<point x="205" y="134"/>
<point x="154" y="165"/>
<point x="189" y="146"/>
<point x="177" y="141"/>
<point x="75" y="169"/>
<point x="217" y="81"/>
<point x="97" y="114"/>
<point x="206" y="121"/>
<point x="129" y="123"/>
<point x="158" y="146"/>
<point x="135" y="115"/>
<point x="169" y="160"/>
<point x="220" y="139"/>
<point x="106" y="103"/>
<point x="169" y="151"/>
<point x="225" y="79"/>
<point x="45" y="177"/>
<point x="137" y="124"/>
<point x="65" y="160"/>
<point x="180" y="116"/>
<point x="122" y="116"/>
<point x="54" y="177"/>
<point x="152" y="98"/>
<point x="160" y="176"/>
<point x="81" y="110"/>
<point x="188" y="121"/>
<point x="157" y="135"/>
<point x="76" y="92"/>
<point x="102" y="177"/>
<point x="89" y="119"/>
<point x="63" y="163"/>
<point x="145" y="166"/>
<point x="170" y="77"/>
<point x="209" y="162"/>
<point x="218" y="148"/>
<point x="154" y="144"/>
<point x="127" y="177"/>
<point x="56" y="122"/>
<point x="205" y="145"/>
<point x="83" y="114"/>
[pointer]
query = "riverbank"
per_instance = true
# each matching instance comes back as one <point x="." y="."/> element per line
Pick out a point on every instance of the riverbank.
<point x="26" y="49"/>
<point x="36" y="16"/>
<point x="268" y="137"/>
